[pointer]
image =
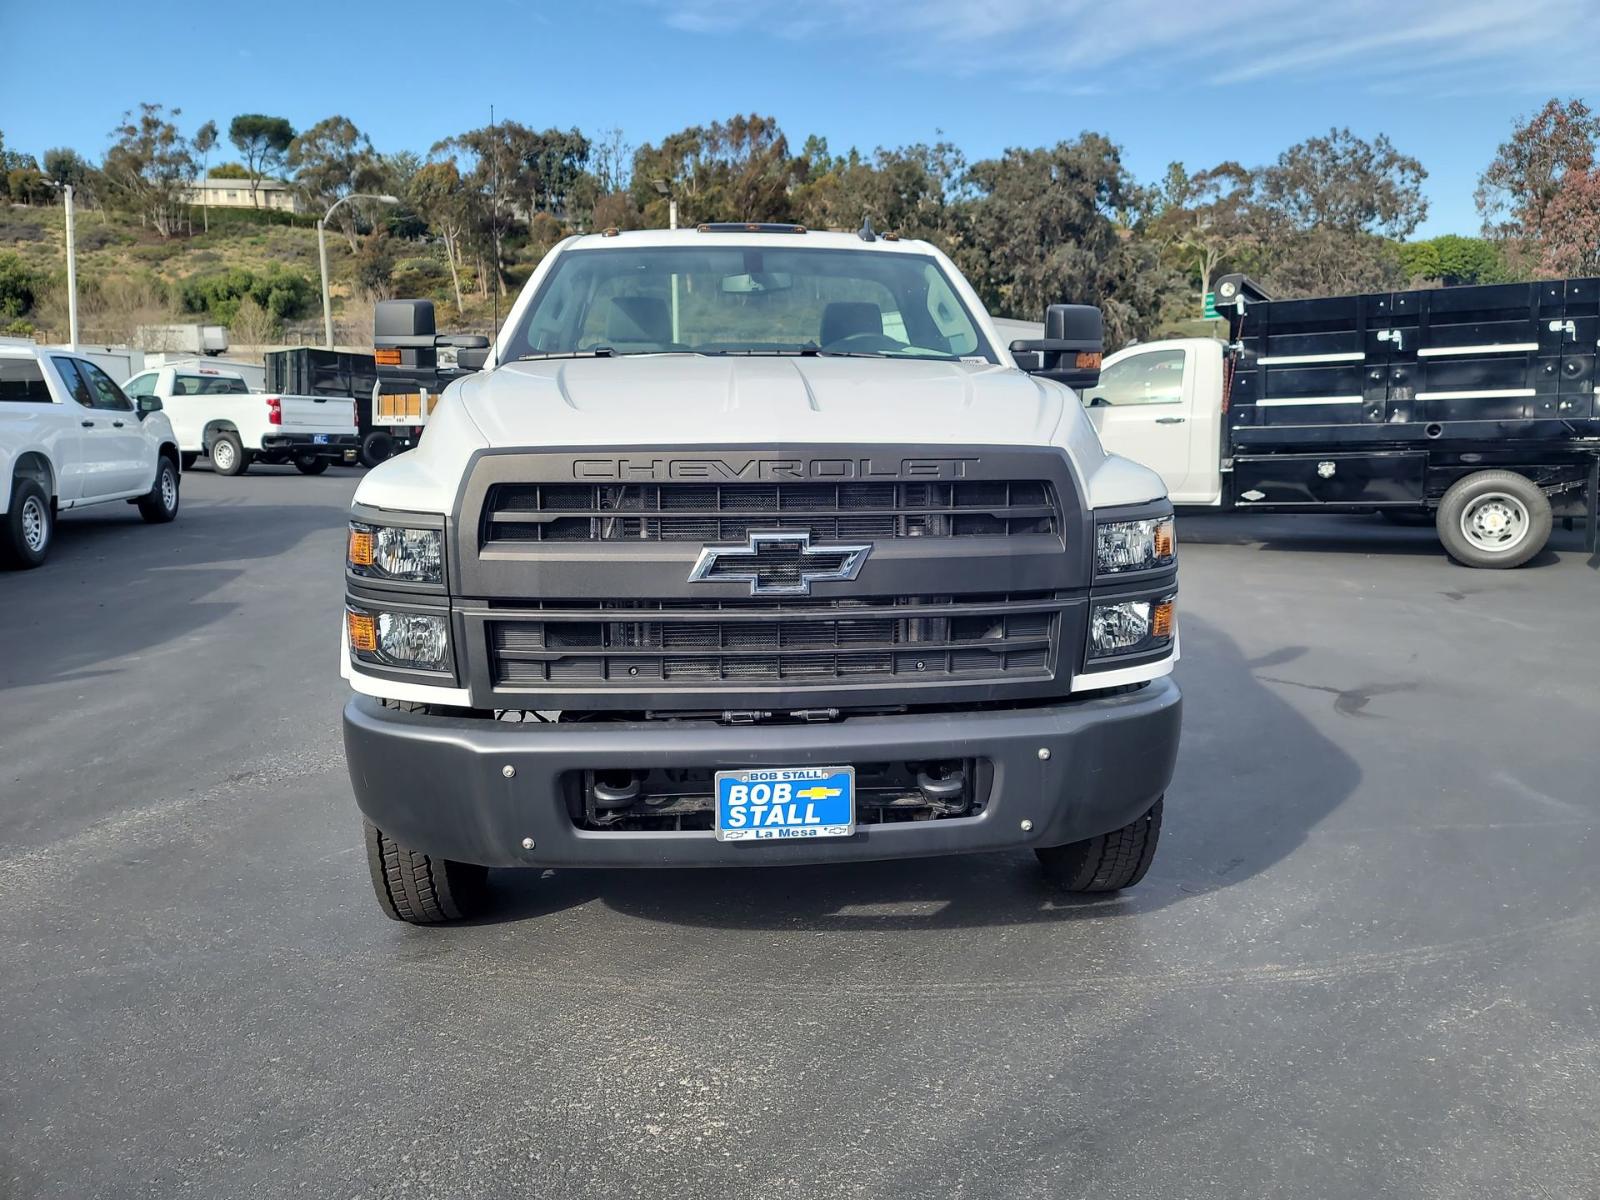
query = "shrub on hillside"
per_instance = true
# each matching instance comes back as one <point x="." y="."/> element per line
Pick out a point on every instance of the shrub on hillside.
<point x="19" y="286"/>
<point x="282" y="294"/>
<point x="419" y="277"/>
<point x="98" y="237"/>
<point x="17" y="227"/>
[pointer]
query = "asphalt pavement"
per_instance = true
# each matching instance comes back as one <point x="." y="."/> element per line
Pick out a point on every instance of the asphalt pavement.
<point x="1364" y="963"/>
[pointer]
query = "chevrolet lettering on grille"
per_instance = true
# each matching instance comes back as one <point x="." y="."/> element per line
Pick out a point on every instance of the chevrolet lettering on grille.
<point x="779" y="563"/>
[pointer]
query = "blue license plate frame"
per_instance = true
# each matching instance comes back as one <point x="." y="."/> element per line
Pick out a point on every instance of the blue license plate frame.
<point x="767" y="804"/>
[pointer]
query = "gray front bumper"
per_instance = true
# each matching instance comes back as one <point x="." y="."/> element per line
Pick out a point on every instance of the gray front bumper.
<point x="440" y="784"/>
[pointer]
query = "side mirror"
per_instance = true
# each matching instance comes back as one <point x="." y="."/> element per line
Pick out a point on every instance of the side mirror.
<point x="1069" y="352"/>
<point x="472" y="360"/>
<point x="402" y="319"/>
<point x="147" y="404"/>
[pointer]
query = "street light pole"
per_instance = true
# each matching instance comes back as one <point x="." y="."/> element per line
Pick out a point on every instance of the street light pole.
<point x="322" y="256"/>
<point x="72" y="264"/>
<point x="72" y="272"/>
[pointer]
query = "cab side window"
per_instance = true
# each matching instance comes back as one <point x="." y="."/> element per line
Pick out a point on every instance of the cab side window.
<point x="141" y="385"/>
<point x="107" y="395"/>
<point x="77" y="386"/>
<point x="22" y="381"/>
<point x="1154" y="378"/>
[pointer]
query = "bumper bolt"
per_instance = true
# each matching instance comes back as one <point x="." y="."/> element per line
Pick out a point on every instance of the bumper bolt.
<point x="508" y="771"/>
<point x="1027" y="827"/>
<point x="1044" y="753"/>
<point x="527" y="843"/>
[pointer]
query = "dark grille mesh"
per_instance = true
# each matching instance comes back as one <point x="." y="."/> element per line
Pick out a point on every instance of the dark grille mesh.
<point x="814" y="642"/>
<point x="604" y="512"/>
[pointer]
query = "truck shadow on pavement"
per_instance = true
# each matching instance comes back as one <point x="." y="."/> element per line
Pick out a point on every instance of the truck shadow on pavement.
<point x="1344" y="534"/>
<point x="115" y="587"/>
<point x="1253" y="778"/>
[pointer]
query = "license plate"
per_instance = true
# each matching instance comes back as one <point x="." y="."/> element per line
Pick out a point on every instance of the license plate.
<point x="773" y="803"/>
<point x="319" y="439"/>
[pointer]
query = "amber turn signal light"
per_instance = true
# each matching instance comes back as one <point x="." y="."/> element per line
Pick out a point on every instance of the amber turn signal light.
<point x="1164" y="538"/>
<point x="363" y="632"/>
<point x="360" y="551"/>
<point x="1088" y="360"/>
<point x="1161" y="621"/>
<point x="386" y="358"/>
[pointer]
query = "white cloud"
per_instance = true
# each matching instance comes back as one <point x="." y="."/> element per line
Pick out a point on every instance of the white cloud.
<point x="1380" y="45"/>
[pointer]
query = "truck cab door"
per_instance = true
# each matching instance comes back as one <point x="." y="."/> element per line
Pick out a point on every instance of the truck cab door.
<point x="130" y="458"/>
<point x="1143" y="409"/>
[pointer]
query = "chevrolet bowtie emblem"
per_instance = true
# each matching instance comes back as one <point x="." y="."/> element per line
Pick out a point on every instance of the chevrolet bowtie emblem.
<point x="778" y="563"/>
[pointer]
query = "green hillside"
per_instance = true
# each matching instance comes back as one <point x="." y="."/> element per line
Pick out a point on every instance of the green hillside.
<point x="254" y="272"/>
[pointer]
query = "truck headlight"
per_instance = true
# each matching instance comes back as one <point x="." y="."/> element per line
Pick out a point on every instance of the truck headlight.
<point x="414" y="641"/>
<point x="394" y="552"/>
<point x="1135" y="545"/>
<point x="1130" y="627"/>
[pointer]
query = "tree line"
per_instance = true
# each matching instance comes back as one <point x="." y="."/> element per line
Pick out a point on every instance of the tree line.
<point x="1330" y="215"/>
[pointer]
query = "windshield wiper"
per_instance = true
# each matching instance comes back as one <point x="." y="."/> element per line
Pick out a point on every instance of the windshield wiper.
<point x="597" y="352"/>
<point x="797" y="352"/>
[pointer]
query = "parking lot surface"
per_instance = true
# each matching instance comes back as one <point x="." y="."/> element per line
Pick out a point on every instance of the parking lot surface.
<point x="1364" y="963"/>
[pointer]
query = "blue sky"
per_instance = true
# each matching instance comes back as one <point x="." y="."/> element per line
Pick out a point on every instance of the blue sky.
<point x="1166" y="79"/>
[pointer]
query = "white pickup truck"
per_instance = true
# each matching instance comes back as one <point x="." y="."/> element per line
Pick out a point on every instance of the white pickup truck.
<point x="70" y="437"/>
<point x="759" y="546"/>
<point x="216" y="415"/>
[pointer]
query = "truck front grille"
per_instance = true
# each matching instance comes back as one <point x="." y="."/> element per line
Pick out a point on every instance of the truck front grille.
<point x="686" y="512"/>
<point x="765" y="642"/>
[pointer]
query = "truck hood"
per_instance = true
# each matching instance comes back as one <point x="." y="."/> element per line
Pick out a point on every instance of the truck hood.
<point x="653" y="400"/>
<point x="662" y="401"/>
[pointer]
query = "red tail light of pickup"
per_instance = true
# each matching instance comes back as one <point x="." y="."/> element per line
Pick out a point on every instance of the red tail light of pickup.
<point x="274" y="411"/>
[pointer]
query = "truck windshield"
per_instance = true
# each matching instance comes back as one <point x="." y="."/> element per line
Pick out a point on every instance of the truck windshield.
<point x="748" y="300"/>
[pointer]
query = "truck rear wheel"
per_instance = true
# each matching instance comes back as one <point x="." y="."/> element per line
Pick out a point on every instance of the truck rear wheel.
<point x="376" y="447"/>
<point x="228" y="455"/>
<point x="28" y="526"/>
<point x="1495" y="519"/>
<point x="310" y="464"/>
<point x="1107" y="863"/>
<point x="420" y="888"/>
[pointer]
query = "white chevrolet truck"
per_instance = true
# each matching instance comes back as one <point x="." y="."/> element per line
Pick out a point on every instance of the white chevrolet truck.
<point x="217" y="416"/>
<point x="755" y="546"/>
<point x="71" y="438"/>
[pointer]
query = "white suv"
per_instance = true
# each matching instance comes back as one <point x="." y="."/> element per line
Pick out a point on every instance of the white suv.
<point x="70" y="437"/>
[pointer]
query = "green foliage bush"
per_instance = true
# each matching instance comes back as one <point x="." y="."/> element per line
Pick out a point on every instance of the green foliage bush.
<point x="19" y="286"/>
<point x="282" y="294"/>
<point x="419" y="277"/>
<point x="1452" y="259"/>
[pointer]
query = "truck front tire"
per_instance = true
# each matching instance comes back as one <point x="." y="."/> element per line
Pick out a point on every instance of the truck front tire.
<point x="419" y="888"/>
<point x="28" y="526"/>
<point x="160" y="504"/>
<point x="1107" y="863"/>
<point x="228" y="455"/>
<point x="1495" y="519"/>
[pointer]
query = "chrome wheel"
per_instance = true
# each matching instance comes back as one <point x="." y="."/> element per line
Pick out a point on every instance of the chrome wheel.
<point x="1495" y="522"/>
<point x="169" y="488"/>
<point x="35" y="524"/>
<point x="222" y="455"/>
